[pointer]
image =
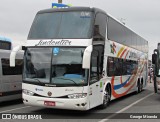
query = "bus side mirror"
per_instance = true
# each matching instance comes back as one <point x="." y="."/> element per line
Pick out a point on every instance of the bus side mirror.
<point x="154" y="58"/>
<point x="13" y="55"/>
<point x="87" y="57"/>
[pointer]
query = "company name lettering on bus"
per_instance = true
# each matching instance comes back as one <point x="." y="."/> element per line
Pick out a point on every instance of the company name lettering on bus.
<point x="52" y="42"/>
<point x="85" y="15"/>
<point x="69" y="90"/>
<point x="133" y="55"/>
<point x="38" y="89"/>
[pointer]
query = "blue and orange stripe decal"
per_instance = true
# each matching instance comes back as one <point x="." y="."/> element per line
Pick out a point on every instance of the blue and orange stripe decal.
<point x="121" y="85"/>
<point x="116" y="95"/>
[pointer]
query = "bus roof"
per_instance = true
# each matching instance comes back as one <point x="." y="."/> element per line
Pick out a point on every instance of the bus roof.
<point x="71" y="9"/>
<point x="2" y="38"/>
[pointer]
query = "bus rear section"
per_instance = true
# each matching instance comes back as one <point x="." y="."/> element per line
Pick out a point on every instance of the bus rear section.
<point x="10" y="77"/>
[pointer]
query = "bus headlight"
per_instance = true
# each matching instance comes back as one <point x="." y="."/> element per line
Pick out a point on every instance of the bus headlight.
<point x="78" y="95"/>
<point x="27" y="92"/>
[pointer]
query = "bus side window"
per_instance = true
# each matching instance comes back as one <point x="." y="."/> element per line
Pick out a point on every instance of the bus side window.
<point x="134" y="67"/>
<point x="118" y="67"/>
<point x="100" y="27"/>
<point x="124" y="67"/>
<point x="7" y="70"/>
<point x="110" y="66"/>
<point x="100" y="50"/>
<point x="94" y="67"/>
<point x="128" y="67"/>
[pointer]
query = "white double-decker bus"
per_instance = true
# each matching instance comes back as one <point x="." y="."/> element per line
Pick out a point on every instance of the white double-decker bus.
<point x="79" y="58"/>
<point x="10" y="77"/>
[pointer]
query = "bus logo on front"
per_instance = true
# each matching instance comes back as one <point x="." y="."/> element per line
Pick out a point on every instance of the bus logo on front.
<point x="49" y="93"/>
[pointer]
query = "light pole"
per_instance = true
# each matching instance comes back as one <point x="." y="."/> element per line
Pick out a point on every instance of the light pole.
<point x="59" y="1"/>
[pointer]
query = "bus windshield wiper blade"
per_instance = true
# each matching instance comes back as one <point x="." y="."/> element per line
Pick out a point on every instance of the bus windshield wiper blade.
<point x="69" y="79"/>
<point x="37" y="80"/>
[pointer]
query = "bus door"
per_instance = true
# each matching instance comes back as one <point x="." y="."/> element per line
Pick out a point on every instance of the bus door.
<point x="94" y="84"/>
<point x="99" y="36"/>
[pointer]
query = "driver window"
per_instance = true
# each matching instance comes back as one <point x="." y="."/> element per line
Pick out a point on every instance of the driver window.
<point x="94" y="67"/>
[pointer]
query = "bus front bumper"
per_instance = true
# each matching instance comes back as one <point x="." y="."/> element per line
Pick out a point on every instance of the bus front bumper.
<point x="58" y="103"/>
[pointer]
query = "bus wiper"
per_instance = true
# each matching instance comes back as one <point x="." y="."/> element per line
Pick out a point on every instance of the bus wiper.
<point x="69" y="79"/>
<point x="37" y="80"/>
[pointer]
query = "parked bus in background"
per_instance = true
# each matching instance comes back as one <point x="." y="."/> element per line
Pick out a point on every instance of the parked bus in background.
<point x="10" y="77"/>
<point x="156" y="62"/>
<point x="79" y="58"/>
<point x="5" y="43"/>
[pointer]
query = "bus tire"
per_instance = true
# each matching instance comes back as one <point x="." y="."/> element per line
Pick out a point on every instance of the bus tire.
<point x="106" y="97"/>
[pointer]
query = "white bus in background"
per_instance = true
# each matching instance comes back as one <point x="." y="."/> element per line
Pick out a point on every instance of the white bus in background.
<point x="79" y="58"/>
<point x="10" y="77"/>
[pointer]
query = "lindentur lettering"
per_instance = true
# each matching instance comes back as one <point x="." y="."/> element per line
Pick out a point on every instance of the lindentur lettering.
<point x="51" y="42"/>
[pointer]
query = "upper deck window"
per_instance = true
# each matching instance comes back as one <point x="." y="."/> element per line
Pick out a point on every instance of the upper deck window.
<point x="58" y="25"/>
<point x="100" y="27"/>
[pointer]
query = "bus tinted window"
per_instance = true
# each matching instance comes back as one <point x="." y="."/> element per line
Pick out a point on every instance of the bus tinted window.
<point x="94" y="65"/>
<point x="5" y="45"/>
<point x="118" y="67"/>
<point x="121" y="34"/>
<point x="110" y="66"/>
<point x="100" y="27"/>
<point x="60" y="25"/>
<point x="7" y="70"/>
<point x="115" y="31"/>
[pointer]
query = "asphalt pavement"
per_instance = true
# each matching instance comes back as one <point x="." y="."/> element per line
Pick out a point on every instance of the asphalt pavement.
<point x="133" y="107"/>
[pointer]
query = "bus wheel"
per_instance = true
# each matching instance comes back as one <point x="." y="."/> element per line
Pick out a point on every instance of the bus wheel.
<point x="106" y="98"/>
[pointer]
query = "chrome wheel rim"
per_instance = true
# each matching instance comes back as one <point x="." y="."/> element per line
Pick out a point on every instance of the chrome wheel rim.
<point x="106" y="98"/>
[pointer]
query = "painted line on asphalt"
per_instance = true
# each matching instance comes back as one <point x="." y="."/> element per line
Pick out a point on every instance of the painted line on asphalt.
<point x="124" y="109"/>
<point x="14" y="109"/>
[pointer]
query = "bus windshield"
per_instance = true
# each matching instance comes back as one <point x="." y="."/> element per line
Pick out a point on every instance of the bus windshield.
<point x="58" y="66"/>
<point x="37" y="64"/>
<point x="62" y="25"/>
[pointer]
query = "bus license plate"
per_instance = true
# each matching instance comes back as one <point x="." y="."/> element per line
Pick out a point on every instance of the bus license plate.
<point x="49" y="103"/>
